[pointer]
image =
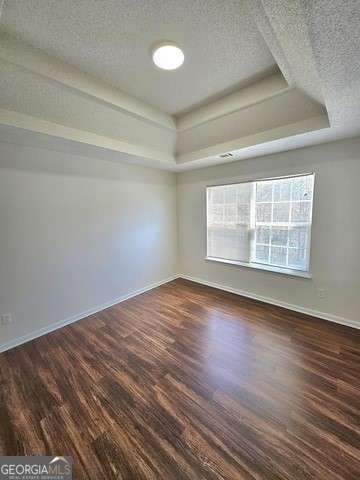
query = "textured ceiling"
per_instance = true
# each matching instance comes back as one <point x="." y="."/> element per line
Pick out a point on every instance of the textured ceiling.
<point x="228" y="44"/>
<point x="111" y="39"/>
<point x="334" y="32"/>
<point x="317" y="46"/>
<point x="283" y="27"/>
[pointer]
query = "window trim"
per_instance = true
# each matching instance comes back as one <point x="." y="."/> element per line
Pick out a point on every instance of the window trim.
<point x="259" y="266"/>
<point x="264" y="267"/>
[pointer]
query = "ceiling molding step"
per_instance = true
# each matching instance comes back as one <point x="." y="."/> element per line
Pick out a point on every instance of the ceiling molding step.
<point x="245" y="97"/>
<point x="38" y="62"/>
<point x="37" y="125"/>
<point x="284" y="131"/>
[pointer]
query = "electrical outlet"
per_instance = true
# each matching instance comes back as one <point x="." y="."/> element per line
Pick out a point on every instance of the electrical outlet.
<point x="322" y="293"/>
<point x="6" y="319"/>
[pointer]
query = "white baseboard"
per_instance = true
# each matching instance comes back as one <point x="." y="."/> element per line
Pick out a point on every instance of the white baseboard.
<point x="272" y="301"/>
<point x="54" y="326"/>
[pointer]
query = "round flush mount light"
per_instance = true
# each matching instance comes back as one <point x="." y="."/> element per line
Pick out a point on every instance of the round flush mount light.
<point x="168" y="56"/>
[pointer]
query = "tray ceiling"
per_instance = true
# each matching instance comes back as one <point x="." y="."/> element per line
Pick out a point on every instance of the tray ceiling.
<point x="111" y="40"/>
<point x="260" y="76"/>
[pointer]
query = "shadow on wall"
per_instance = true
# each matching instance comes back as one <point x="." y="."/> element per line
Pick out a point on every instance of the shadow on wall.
<point x="98" y="165"/>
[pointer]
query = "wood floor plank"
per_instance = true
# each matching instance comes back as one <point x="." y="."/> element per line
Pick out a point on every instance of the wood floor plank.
<point x="188" y="382"/>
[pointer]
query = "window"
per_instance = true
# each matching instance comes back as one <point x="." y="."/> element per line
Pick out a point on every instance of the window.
<point x="264" y="224"/>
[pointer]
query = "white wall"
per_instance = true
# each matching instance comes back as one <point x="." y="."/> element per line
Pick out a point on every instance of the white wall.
<point x="335" y="251"/>
<point x="77" y="233"/>
<point x="287" y="108"/>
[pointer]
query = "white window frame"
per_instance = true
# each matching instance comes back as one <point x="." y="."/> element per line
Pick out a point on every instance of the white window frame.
<point x="260" y="266"/>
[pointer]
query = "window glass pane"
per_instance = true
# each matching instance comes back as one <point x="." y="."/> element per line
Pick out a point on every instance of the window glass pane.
<point x="230" y="214"/>
<point x="263" y="212"/>
<point x="301" y="212"/>
<point x="269" y="221"/>
<point x="297" y="258"/>
<point x="278" y="256"/>
<point x="279" y="236"/>
<point x="217" y="194"/>
<point x="302" y="188"/>
<point x="216" y="214"/>
<point x="298" y="237"/>
<point x="281" y="212"/>
<point x="282" y="190"/>
<point x="244" y="190"/>
<point x="263" y="235"/>
<point x="264" y="191"/>
<point x="243" y="213"/>
<point x="262" y="253"/>
<point x="228" y="222"/>
<point x="290" y="203"/>
<point x="230" y="194"/>
<point x="228" y="243"/>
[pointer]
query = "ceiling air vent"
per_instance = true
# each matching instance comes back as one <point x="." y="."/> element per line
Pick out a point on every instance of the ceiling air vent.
<point x="226" y="155"/>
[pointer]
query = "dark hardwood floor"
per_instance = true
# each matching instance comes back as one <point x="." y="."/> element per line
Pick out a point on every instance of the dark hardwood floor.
<point x="188" y="382"/>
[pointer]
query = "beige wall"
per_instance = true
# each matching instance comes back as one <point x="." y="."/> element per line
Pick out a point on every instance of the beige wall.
<point x="335" y="251"/>
<point x="77" y="233"/>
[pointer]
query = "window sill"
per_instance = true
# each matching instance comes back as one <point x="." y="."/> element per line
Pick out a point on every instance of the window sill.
<point x="266" y="268"/>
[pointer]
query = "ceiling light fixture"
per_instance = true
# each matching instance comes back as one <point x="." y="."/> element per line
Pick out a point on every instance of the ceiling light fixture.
<point x="168" y="56"/>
